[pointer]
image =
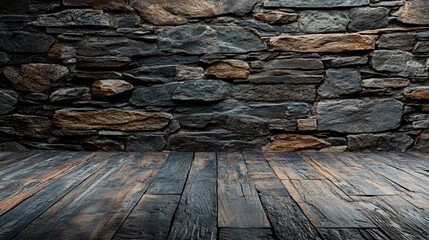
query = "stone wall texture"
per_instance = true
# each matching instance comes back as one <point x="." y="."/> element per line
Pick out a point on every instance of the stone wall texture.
<point x="211" y="75"/>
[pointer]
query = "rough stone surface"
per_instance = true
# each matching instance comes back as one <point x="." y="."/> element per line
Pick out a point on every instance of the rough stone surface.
<point x="379" y="142"/>
<point x="385" y="83"/>
<point x="340" y="82"/>
<point x="12" y="146"/>
<point x="202" y="90"/>
<point x="110" y="88"/>
<point x="422" y="143"/>
<point x="398" y="41"/>
<point x="348" y="61"/>
<point x="74" y="17"/>
<point x="103" y="4"/>
<point x="189" y="73"/>
<point x="397" y="61"/>
<point x="25" y="126"/>
<point x="315" y="3"/>
<point x="276" y="17"/>
<point x="147" y="143"/>
<point x="3" y="58"/>
<point x="111" y="119"/>
<point x="229" y="69"/>
<point x="359" y="116"/>
<point x="280" y="92"/>
<point x="69" y="95"/>
<point x="368" y="18"/>
<point x="415" y="12"/>
<point x="417" y="93"/>
<point x="307" y="124"/>
<point x="160" y="95"/>
<point x="25" y="42"/>
<point x="323" y="21"/>
<point x="164" y="12"/>
<point x="35" y="77"/>
<point x="162" y="74"/>
<point x="323" y="43"/>
<point x="8" y="101"/>
<point x="292" y="142"/>
<point x="198" y="39"/>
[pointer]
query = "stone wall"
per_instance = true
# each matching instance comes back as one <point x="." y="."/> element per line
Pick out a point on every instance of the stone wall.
<point x="206" y="75"/>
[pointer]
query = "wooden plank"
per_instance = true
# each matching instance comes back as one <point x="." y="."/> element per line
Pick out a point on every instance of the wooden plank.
<point x="396" y="217"/>
<point x="292" y="166"/>
<point x="13" y="192"/>
<point x="245" y="234"/>
<point x="20" y="216"/>
<point x="408" y="180"/>
<point x="195" y="217"/>
<point x="325" y="205"/>
<point x="407" y="163"/>
<point x="150" y="219"/>
<point x="98" y="210"/>
<point x="351" y="177"/>
<point x="22" y="161"/>
<point x="351" y="234"/>
<point x="287" y="219"/>
<point x="237" y="195"/>
<point x="419" y="160"/>
<point x="262" y="175"/>
<point x="172" y="176"/>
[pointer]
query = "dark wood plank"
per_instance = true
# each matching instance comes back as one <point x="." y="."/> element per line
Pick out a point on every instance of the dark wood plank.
<point x="262" y="175"/>
<point x="418" y="160"/>
<point x="172" y="176"/>
<point x="150" y="219"/>
<point x="98" y="210"/>
<point x="20" y="216"/>
<point x="287" y="219"/>
<point x="24" y="161"/>
<point x="351" y="234"/>
<point x="398" y="218"/>
<point x="292" y="166"/>
<point x="237" y="194"/>
<point x="325" y="205"/>
<point x="195" y="217"/>
<point x="245" y="234"/>
<point x="407" y="163"/>
<point x="351" y="177"/>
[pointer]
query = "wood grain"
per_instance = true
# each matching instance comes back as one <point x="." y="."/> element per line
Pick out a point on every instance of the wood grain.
<point x="292" y="166"/>
<point x="245" y="234"/>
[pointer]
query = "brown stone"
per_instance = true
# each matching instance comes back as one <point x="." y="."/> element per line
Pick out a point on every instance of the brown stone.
<point x="308" y="124"/>
<point x="25" y="125"/>
<point x="323" y="43"/>
<point x="111" y="119"/>
<point x="99" y="4"/>
<point x="276" y="17"/>
<point x="292" y="142"/>
<point x="60" y="51"/>
<point x="417" y="93"/>
<point x="415" y="12"/>
<point x="35" y="77"/>
<point x="109" y="88"/>
<point x="229" y="69"/>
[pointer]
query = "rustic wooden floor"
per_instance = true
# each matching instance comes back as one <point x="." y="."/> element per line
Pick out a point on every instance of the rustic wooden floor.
<point x="81" y="195"/>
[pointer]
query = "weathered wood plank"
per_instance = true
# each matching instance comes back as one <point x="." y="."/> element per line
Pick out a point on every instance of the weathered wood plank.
<point x="287" y="219"/>
<point x="262" y="175"/>
<point x="419" y="160"/>
<point x="21" y="162"/>
<point x="172" y="176"/>
<point x="196" y="215"/>
<point x="404" y="162"/>
<point x="292" y="166"/>
<point x="398" y="218"/>
<point x="349" y="176"/>
<point x="20" y="216"/>
<point x="98" y="210"/>
<point x="237" y="194"/>
<point x="325" y="205"/>
<point x="150" y="219"/>
<point x="245" y="234"/>
<point x="351" y="234"/>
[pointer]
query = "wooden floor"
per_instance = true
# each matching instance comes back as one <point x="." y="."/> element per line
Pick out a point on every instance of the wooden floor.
<point x="82" y="195"/>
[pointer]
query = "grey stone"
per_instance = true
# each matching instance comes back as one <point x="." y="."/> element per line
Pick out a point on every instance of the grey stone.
<point x="385" y="83"/>
<point x="295" y="63"/>
<point x="115" y="46"/>
<point x="14" y="7"/>
<point x="359" y="116"/>
<point x="169" y="60"/>
<point x="25" y="126"/>
<point x="279" y="92"/>
<point x="149" y="142"/>
<point x="422" y="36"/>
<point x="286" y="77"/>
<point x="213" y="141"/>
<point x="4" y="58"/>
<point x="323" y="21"/>
<point x="103" y="144"/>
<point x="189" y="73"/>
<point x="422" y="142"/>
<point x="12" y="146"/>
<point x="348" y="61"/>
<point x="161" y="74"/>
<point x="25" y="42"/>
<point x="160" y="95"/>
<point x="315" y="3"/>
<point x="421" y="48"/>
<point x="399" y="62"/>
<point x="340" y="82"/>
<point x="272" y="111"/>
<point x="35" y="77"/>
<point x="397" y="41"/>
<point x="8" y="100"/>
<point x="368" y="18"/>
<point x="69" y="95"/>
<point x="199" y="39"/>
<point x="202" y="90"/>
<point x="379" y="142"/>
<point x="103" y="62"/>
<point x="74" y="17"/>
<point x="415" y="12"/>
<point x="267" y="29"/>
